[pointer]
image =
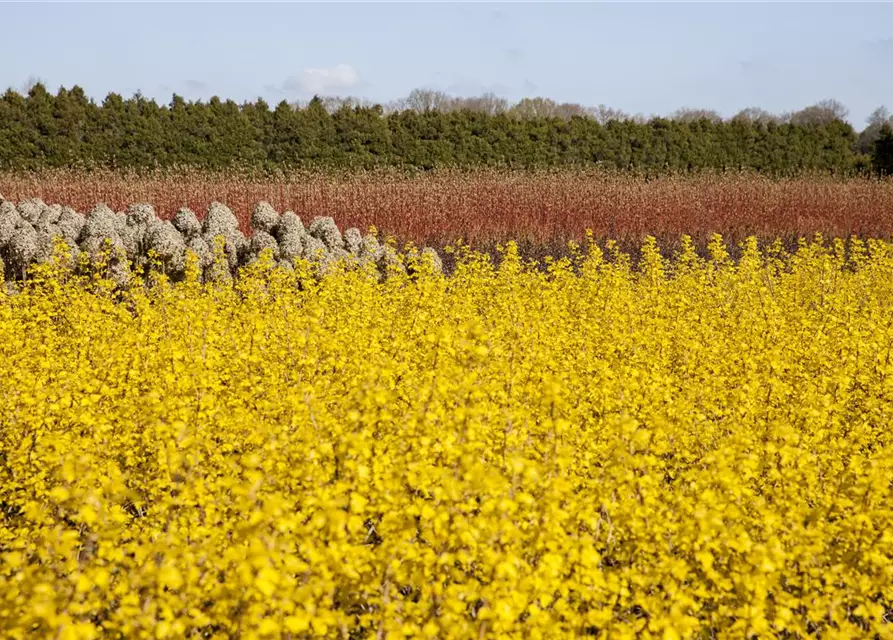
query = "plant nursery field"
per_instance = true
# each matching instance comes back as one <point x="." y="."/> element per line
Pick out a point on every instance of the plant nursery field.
<point x="684" y="447"/>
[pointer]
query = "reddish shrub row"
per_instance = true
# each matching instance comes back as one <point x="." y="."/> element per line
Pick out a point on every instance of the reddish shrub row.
<point x="484" y="207"/>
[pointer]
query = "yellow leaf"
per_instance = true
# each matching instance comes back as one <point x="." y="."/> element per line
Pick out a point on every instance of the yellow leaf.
<point x="298" y="622"/>
<point x="170" y="577"/>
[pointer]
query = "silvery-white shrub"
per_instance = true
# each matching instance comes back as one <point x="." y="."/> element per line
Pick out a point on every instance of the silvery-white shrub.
<point x="324" y="228"/>
<point x="132" y="240"/>
<point x="48" y="217"/>
<point x="264" y="217"/>
<point x="371" y="247"/>
<point x="289" y="224"/>
<point x="388" y="261"/>
<point x="9" y="222"/>
<point x="262" y="240"/>
<point x="314" y="249"/>
<point x="353" y="240"/>
<point x="202" y="250"/>
<point x="70" y="224"/>
<point x="139" y="219"/>
<point x="329" y="260"/>
<point x="235" y="247"/>
<point x="21" y="250"/>
<point x="101" y="222"/>
<point x="186" y="222"/>
<point x="140" y="214"/>
<point x="432" y="255"/>
<point x="75" y="253"/>
<point x="291" y="246"/>
<point x="157" y="222"/>
<point x="45" y="239"/>
<point x="121" y="219"/>
<point x="217" y="271"/>
<point x="237" y="250"/>
<point x="416" y="258"/>
<point x="97" y="246"/>
<point x="168" y="245"/>
<point x="219" y="220"/>
<point x="31" y="209"/>
<point x="119" y="272"/>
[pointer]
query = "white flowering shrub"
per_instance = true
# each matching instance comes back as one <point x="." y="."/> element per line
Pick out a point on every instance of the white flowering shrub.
<point x="353" y="241"/>
<point x="264" y="218"/>
<point x="123" y="244"/>
<point x="167" y="245"/>
<point x="323" y="228"/>
<point x="291" y="246"/>
<point x="9" y="222"/>
<point x="260" y="241"/>
<point x="221" y="222"/>
<point x="22" y="250"/>
<point x="70" y="224"/>
<point x="31" y="209"/>
<point x="186" y="222"/>
<point x="289" y="225"/>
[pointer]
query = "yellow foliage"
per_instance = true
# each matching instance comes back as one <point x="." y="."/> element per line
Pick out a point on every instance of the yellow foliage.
<point x="690" y="448"/>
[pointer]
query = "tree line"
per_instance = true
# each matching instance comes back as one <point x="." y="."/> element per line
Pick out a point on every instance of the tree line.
<point x="41" y="130"/>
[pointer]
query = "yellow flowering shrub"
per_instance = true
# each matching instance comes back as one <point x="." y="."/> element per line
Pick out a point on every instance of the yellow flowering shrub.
<point x="686" y="448"/>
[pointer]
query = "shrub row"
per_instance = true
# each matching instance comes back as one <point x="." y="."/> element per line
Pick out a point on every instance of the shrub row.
<point x="127" y="242"/>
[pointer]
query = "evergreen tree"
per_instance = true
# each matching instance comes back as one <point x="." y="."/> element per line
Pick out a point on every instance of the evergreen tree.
<point x="882" y="154"/>
<point x="42" y="130"/>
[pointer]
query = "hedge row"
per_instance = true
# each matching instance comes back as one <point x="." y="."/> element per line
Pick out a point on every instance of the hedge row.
<point x="67" y="129"/>
<point x="126" y="242"/>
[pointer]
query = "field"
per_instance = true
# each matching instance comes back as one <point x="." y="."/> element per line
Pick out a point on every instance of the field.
<point x="613" y="444"/>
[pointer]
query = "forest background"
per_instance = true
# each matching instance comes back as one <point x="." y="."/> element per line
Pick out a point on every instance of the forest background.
<point x="427" y="130"/>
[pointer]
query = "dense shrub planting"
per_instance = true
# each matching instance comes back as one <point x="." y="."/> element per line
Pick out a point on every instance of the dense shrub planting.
<point x="696" y="448"/>
<point x="126" y="242"/>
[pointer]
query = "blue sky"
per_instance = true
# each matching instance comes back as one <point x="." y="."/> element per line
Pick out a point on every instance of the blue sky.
<point x="649" y="58"/>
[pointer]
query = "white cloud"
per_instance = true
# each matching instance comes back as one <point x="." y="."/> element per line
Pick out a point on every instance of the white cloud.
<point x="322" y="81"/>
